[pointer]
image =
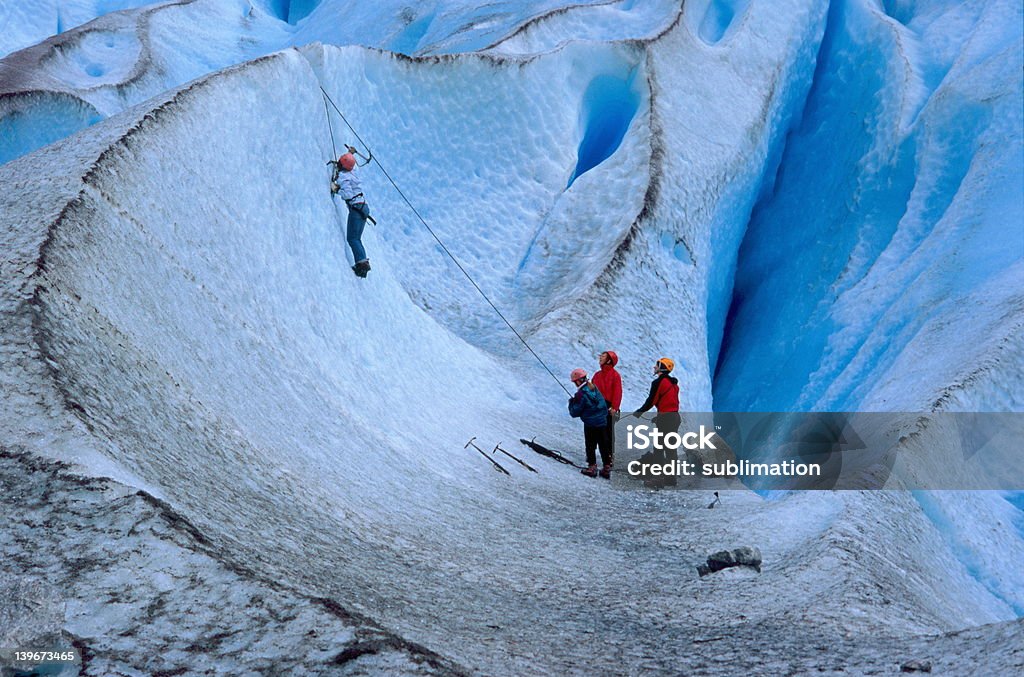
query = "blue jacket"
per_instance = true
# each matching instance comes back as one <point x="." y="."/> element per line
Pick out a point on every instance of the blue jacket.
<point x="587" y="404"/>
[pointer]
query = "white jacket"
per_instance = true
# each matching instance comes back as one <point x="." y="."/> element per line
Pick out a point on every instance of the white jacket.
<point x="349" y="187"/>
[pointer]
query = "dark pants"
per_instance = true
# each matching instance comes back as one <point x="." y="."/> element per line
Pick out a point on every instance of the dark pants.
<point x="595" y="437"/>
<point x="609" y="435"/>
<point x="357" y="214"/>
<point x="666" y="423"/>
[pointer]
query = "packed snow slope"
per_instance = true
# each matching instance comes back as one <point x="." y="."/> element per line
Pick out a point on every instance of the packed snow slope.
<point x="178" y="315"/>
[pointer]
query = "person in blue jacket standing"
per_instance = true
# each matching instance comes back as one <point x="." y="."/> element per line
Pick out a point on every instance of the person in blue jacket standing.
<point x="589" y="406"/>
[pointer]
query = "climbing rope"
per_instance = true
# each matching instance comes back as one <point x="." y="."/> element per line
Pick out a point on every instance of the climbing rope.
<point x="330" y="127"/>
<point x="327" y="97"/>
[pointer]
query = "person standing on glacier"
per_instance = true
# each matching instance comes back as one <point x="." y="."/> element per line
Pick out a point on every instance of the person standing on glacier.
<point x="589" y="406"/>
<point x="346" y="184"/>
<point x="664" y="396"/>
<point x="609" y="383"/>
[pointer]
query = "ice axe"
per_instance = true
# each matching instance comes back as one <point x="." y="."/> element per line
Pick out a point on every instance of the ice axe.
<point x="497" y="466"/>
<point x="352" y="150"/>
<point x="497" y="447"/>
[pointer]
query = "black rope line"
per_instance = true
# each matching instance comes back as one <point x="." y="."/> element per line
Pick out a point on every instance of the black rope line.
<point x="330" y="127"/>
<point x="443" y="246"/>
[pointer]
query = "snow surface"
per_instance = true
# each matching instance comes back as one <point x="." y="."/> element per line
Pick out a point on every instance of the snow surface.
<point x="178" y="315"/>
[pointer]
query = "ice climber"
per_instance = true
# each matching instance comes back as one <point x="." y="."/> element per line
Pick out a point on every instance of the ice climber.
<point x="609" y="383"/>
<point x="589" y="406"/>
<point x="346" y="184"/>
<point x="664" y="397"/>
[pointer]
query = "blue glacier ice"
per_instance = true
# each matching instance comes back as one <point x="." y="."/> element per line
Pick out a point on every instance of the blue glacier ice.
<point x="896" y="202"/>
<point x="809" y="206"/>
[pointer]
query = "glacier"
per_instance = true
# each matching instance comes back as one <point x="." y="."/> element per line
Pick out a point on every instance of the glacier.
<point x="230" y="456"/>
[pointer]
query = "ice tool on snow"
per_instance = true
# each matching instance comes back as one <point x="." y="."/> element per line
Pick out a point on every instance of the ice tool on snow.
<point x="497" y="466"/>
<point x="497" y="447"/>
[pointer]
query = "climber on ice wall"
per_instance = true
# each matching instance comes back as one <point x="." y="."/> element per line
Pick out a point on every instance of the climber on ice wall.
<point x="345" y="183"/>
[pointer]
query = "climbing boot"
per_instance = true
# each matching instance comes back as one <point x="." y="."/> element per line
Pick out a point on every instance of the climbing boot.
<point x="361" y="268"/>
<point x="606" y="471"/>
<point x="590" y="471"/>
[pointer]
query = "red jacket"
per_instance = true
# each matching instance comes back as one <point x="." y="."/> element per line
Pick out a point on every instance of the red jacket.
<point x="664" y="395"/>
<point x="609" y="382"/>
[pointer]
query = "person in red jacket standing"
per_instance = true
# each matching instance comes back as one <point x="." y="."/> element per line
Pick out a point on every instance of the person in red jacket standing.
<point x="609" y="383"/>
<point x="664" y="397"/>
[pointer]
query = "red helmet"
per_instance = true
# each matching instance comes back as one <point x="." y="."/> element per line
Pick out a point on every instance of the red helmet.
<point x="577" y="374"/>
<point x="347" y="162"/>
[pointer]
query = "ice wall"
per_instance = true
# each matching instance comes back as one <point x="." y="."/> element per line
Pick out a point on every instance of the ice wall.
<point x="882" y="270"/>
<point x="717" y="113"/>
<point x="23" y="24"/>
<point x="124" y="57"/>
<point x="228" y="302"/>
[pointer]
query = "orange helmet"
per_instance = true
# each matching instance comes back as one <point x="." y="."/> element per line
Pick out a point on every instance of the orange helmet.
<point x="664" y="364"/>
<point x="347" y="162"/>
